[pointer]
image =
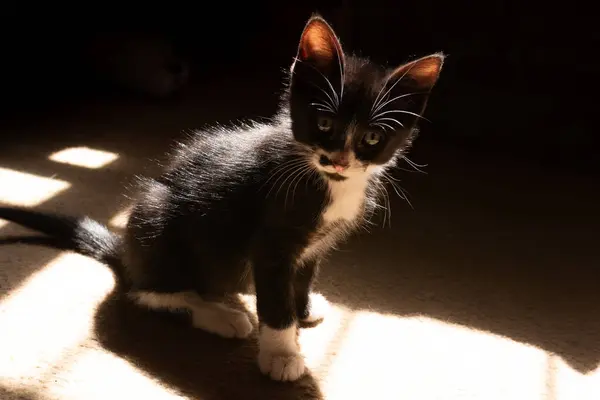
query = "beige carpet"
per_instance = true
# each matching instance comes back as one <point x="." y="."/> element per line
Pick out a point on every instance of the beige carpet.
<point x="488" y="289"/>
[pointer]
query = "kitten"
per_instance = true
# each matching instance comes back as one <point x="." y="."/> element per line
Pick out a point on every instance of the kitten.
<point x="263" y="203"/>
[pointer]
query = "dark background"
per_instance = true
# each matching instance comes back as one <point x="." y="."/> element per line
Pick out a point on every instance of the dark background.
<point x="518" y="80"/>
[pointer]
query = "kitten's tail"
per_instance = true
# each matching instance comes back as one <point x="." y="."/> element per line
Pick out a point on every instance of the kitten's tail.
<point x="80" y="234"/>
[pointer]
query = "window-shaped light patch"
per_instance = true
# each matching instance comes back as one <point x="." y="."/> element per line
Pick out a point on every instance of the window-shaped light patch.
<point x="23" y="189"/>
<point x="119" y="220"/>
<point x="84" y="157"/>
<point x="86" y="377"/>
<point x="48" y="315"/>
<point x="392" y="357"/>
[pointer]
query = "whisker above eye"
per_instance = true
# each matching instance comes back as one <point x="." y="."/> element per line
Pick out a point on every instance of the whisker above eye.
<point x="401" y="112"/>
<point x="335" y="102"/>
<point x="378" y="99"/>
<point x="332" y="103"/>
<point x="323" y="107"/>
<point x="378" y="120"/>
<point x="394" y="99"/>
<point x="382" y="125"/>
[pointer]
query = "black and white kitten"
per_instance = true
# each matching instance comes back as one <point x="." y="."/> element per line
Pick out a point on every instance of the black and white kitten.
<point x="263" y="203"/>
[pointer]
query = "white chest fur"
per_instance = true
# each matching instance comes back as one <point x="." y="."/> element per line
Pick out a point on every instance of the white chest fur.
<point x="347" y="199"/>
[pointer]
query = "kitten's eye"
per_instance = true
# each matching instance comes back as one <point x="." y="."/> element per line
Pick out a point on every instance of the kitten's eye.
<point x="325" y="124"/>
<point x="372" y="138"/>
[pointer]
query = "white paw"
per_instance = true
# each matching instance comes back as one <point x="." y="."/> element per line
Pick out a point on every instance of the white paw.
<point x="318" y="308"/>
<point x="223" y="322"/>
<point x="279" y="355"/>
<point x="281" y="367"/>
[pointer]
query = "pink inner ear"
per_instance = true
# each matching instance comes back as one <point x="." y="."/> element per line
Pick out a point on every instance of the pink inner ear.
<point x="318" y="43"/>
<point x="424" y="72"/>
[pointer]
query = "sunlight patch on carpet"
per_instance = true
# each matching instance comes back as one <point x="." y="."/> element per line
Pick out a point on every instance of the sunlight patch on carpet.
<point x="84" y="157"/>
<point x="389" y="357"/>
<point x="96" y="374"/>
<point x="23" y="189"/>
<point x="318" y="343"/>
<point x="49" y="314"/>
<point x="570" y="384"/>
<point x="119" y="220"/>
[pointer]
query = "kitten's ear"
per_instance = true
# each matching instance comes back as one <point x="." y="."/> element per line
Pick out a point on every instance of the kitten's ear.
<point x="406" y="92"/>
<point x="320" y="47"/>
<point x="421" y="74"/>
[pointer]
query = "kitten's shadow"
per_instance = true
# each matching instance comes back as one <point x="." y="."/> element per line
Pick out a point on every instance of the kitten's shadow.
<point x="193" y="362"/>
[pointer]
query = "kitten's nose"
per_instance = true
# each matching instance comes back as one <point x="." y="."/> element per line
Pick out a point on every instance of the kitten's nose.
<point x="340" y="161"/>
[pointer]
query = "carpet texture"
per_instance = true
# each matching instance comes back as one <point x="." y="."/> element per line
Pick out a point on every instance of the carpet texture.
<point x="486" y="289"/>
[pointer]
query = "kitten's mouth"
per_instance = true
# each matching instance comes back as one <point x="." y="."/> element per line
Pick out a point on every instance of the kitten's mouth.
<point x="326" y="164"/>
<point x="334" y="176"/>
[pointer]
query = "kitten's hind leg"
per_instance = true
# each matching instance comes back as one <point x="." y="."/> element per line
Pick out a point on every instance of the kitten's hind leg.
<point x="210" y="316"/>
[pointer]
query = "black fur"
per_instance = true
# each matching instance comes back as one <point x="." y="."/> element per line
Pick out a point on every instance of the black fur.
<point x="83" y="234"/>
<point x="246" y="202"/>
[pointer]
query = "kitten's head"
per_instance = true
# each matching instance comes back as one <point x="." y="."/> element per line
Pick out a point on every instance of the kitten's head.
<point x="353" y="114"/>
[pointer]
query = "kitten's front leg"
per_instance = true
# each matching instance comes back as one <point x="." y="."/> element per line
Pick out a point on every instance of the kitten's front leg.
<point x="311" y="308"/>
<point x="279" y="352"/>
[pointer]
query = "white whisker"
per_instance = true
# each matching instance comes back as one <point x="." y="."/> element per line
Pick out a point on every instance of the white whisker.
<point x="280" y="175"/>
<point x="375" y="104"/>
<point x="398" y="189"/>
<point x="322" y="107"/>
<point x="281" y="172"/>
<point x="391" y="120"/>
<point x="280" y="167"/>
<point x="337" y="99"/>
<point x="387" y="214"/>
<point x="341" y="77"/>
<point x="388" y="207"/>
<point x="409" y="170"/>
<point x="292" y="175"/>
<point x="383" y="125"/>
<point x="308" y="170"/>
<point x="394" y="99"/>
<point x="333" y="102"/>
<point x="296" y="178"/>
<point x="390" y="177"/>
<point x="400" y="111"/>
<point x="414" y="165"/>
